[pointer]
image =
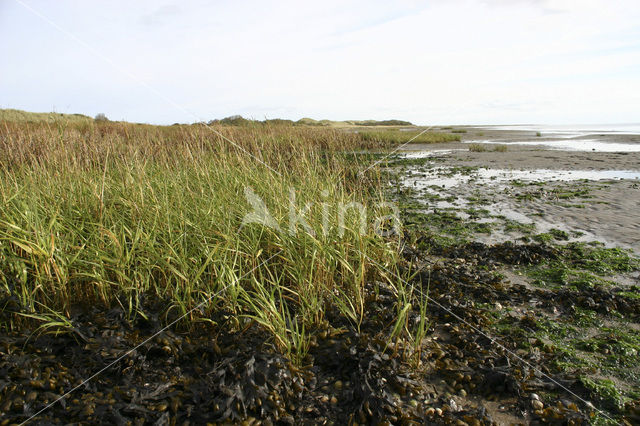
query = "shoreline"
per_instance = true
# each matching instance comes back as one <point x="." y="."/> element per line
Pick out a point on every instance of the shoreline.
<point x="474" y="315"/>
<point x="610" y="213"/>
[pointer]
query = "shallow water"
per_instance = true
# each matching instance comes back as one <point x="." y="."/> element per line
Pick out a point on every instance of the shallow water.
<point x="572" y="130"/>
<point x="500" y="176"/>
<point x="431" y="182"/>
<point x="593" y="145"/>
<point x="429" y="153"/>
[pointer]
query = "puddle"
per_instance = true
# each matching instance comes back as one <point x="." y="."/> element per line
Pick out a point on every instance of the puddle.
<point x="427" y="154"/>
<point x="434" y="176"/>
<point x="503" y="210"/>
<point x="460" y="188"/>
<point x="592" y="145"/>
<point x="502" y="175"/>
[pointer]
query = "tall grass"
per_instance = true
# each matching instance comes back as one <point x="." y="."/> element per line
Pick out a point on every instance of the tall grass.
<point x="116" y="214"/>
<point x="479" y="147"/>
<point x="394" y="137"/>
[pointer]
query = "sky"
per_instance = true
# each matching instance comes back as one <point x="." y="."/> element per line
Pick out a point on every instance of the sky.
<point x="429" y="62"/>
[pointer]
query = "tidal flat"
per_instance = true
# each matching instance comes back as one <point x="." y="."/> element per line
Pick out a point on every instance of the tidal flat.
<point x="134" y="291"/>
<point x="575" y="214"/>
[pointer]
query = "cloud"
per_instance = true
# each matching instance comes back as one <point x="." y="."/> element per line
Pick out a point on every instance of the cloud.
<point x="458" y="61"/>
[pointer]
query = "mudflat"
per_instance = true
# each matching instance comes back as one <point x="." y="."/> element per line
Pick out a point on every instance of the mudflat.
<point x="605" y="203"/>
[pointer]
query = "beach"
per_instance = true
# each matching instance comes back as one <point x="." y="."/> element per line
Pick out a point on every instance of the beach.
<point x="607" y="212"/>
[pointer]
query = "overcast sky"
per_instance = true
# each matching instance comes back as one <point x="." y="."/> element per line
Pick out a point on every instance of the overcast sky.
<point x="445" y="61"/>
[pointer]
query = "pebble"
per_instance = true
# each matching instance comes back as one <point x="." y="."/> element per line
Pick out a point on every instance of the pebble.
<point x="462" y="392"/>
<point x="537" y="405"/>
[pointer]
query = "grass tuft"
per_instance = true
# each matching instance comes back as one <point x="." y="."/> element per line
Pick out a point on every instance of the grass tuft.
<point x="108" y="214"/>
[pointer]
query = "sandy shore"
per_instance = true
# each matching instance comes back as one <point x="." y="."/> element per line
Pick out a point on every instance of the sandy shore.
<point x="609" y="213"/>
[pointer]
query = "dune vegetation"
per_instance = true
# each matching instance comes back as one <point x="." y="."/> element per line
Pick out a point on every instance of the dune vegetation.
<point x="16" y="115"/>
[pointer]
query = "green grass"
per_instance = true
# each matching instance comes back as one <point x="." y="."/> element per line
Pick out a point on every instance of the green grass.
<point x="111" y="214"/>
<point x="393" y="137"/>
<point x="15" y="115"/>
<point x="239" y="121"/>
<point x="479" y="147"/>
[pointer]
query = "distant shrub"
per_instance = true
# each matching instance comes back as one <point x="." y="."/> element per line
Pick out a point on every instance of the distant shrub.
<point x="500" y="148"/>
<point x="477" y="147"/>
<point x="538" y="134"/>
<point x="238" y="120"/>
<point x="101" y="117"/>
<point x="458" y="131"/>
<point x="235" y="120"/>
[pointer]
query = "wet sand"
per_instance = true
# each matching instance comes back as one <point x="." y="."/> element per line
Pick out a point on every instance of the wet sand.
<point x="610" y="213"/>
